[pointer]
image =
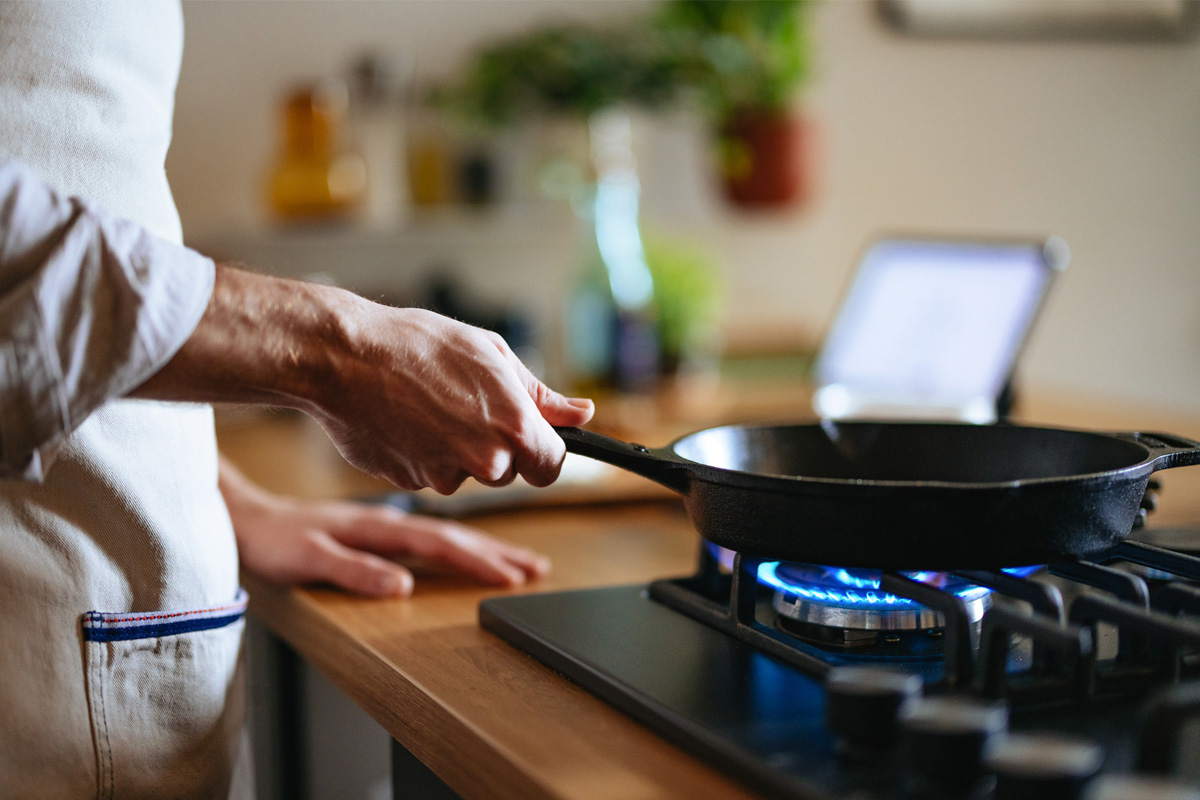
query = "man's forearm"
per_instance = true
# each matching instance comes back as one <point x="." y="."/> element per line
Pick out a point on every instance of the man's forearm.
<point x="407" y="395"/>
<point x="261" y="340"/>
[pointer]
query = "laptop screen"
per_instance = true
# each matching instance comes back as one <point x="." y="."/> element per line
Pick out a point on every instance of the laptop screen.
<point x="934" y="326"/>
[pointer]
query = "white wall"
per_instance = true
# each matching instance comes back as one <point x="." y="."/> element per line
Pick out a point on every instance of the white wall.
<point x="1098" y="142"/>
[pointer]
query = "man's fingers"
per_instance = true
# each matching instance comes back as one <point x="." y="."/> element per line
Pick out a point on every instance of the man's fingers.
<point x="360" y="572"/>
<point x="534" y="565"/>
<point x="545" y="463"/>
<point x="464" y="552"/>
<point x="542" y="460"/>
<point x="496" y="467"/>
<point x="463" y="549"/>
<point x="559" y="410"/>
<point x="554" y="407"/>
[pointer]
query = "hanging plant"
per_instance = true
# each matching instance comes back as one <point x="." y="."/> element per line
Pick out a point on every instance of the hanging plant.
<point x="744" y="56"/>
<point x="566" y="70"/>
<point x="748" y="60"/>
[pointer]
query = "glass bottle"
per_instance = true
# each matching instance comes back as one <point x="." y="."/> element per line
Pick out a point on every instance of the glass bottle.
<point x="377" y="122"/>
<point x="612" y="340"/>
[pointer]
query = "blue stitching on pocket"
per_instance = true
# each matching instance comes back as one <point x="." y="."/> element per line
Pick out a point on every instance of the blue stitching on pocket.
<point x="159" y="629"/>
<point x="120" y="627"/>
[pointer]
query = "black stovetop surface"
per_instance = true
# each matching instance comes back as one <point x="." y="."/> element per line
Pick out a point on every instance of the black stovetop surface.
<point x="746" y="712"/>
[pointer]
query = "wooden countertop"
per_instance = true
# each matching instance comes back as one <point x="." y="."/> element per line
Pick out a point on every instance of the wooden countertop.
<point x="489" y="720"/>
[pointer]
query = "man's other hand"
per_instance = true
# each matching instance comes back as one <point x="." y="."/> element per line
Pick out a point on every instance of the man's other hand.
<point x="291" y="541"/>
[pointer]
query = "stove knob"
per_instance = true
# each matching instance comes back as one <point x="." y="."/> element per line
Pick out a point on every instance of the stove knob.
<point x="1139" y="787"/>
<point x="945" y="737"/>
<point x="1043" y="766"/>
<point x="861" y="704"/>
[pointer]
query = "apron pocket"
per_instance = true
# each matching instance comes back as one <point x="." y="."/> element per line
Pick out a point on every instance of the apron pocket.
<point x="166" y="698"/>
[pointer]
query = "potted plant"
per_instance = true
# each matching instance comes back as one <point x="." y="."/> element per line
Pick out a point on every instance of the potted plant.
<point x="748" y="59"/>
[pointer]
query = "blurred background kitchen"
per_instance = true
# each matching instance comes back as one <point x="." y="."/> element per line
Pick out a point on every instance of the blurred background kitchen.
<point x="1089" y="134"/>
<point x="426" y="152"/>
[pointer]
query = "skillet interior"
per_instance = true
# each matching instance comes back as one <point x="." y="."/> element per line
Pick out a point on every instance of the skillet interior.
<point x="949" y="453"/>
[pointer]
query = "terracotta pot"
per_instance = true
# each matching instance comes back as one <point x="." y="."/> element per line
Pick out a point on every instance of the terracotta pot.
<point x="764" y="160"/>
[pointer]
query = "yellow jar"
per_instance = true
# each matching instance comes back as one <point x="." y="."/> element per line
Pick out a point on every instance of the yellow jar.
<point x="315" y="178"/>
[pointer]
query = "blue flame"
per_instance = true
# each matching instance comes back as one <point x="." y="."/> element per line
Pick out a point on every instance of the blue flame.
<point x="845" y="588"/>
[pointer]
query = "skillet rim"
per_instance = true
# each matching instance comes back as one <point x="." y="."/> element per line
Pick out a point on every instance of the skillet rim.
<point x="754" y="480"/>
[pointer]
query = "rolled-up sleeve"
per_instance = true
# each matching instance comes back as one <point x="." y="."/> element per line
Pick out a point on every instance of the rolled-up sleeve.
<point x="90" y="307"/>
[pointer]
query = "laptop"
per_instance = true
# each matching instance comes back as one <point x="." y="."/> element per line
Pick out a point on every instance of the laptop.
<point x="931" y="329"/>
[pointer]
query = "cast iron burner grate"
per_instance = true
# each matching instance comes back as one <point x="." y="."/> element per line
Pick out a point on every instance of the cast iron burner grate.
<point x="846" y="608"/>
<point x="732" y="601"/>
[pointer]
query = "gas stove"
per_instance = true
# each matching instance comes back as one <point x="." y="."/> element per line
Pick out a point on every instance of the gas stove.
<point x="815" y="682"/>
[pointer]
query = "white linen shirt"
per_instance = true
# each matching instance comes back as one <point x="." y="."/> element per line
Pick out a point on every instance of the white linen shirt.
<point x="90" y="307"/>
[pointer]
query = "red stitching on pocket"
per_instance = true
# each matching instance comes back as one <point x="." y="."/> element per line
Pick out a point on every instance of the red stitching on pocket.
<point x="106" y="618"/>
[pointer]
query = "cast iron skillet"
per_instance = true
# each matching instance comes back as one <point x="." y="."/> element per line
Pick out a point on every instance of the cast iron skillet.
<point x="901" y="495"/>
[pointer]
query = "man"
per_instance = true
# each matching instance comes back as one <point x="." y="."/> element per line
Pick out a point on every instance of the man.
<point x="118" y="564"/>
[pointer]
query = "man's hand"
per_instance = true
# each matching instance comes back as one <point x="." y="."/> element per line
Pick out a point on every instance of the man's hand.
<point x="406" y="395"/>
<point x="290" y="541"/>
<point x="427" y="401"/>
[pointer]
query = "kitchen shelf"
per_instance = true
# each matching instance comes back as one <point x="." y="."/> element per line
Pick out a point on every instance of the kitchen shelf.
<point x="498" y="224"/>
<point x="491" y="248"/>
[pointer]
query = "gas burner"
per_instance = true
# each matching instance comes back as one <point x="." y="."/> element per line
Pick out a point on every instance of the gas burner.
<point x="846" y="608"/>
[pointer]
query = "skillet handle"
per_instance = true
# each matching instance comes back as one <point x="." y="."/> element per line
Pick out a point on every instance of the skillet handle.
<point x="1167" y="449"/>
<point x="636" y="458"/>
